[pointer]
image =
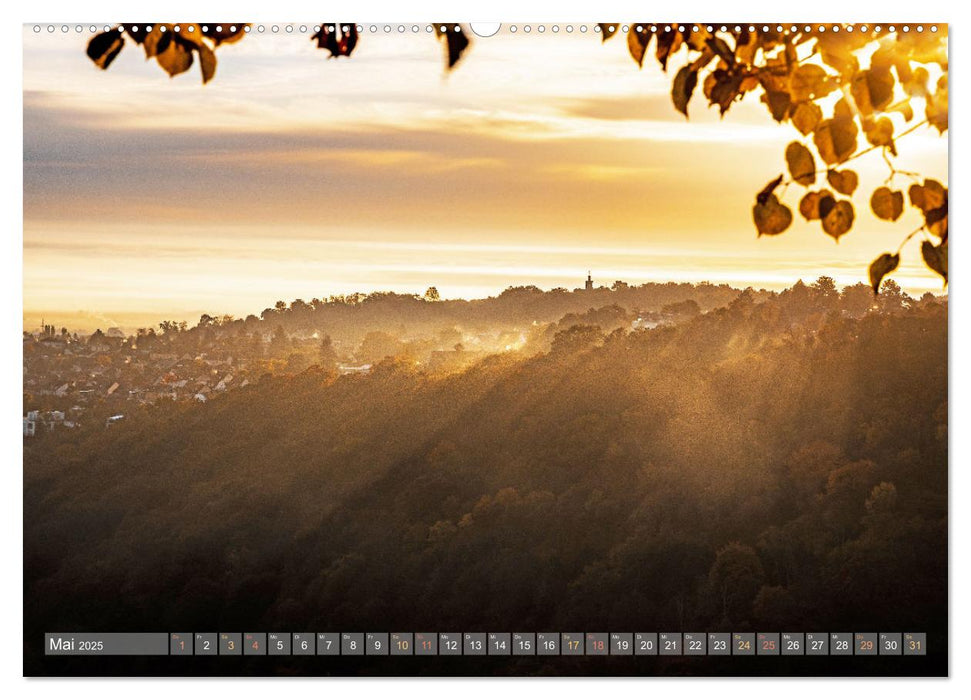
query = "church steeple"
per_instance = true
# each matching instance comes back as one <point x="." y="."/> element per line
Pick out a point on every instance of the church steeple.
<point x="589" y="284"/>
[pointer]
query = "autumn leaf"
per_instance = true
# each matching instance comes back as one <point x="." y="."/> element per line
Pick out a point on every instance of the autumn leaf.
<point x="748" y="44"/>
<point x="207" y="62"/>
<point x="157" y="40"/>
<point x="917" y="85"/>
<point x="936" y="222"/>
<point x="806" y="117"/>
<point x="838" y="220"/>
<point x="881" y="267"/>
<point x="843" y="181"/>
<point x="455" y="41"/>
<point x="638" y="39"/>
<point x="872" y="89"/>
<point x="722" y="87"/>
<point x="808" y="81"/>
<point x="835" y="139"/>
<point x="721" y="49"/>
<point x="684" y="85"/>
<point x="931" y="199"/>
<point x="879" y="132"/>
<point x="104" y="47"/>
<point x="936" y="110"/>
<point x="697" y="38"/>
<point x="935" y="257"/>
<point x="607" y="29"/>
<point x="813" y="203"/>
<point x="771" y="217"/>
<point x="802" y="166"/>
<point x="778" y="103"/>
<point x="763" y="196"/>
<point x="337" y="43"/>
<point x="668" y="42"/>
<point x="887" y="204"/>
<point x="837" y="49"/>
<point x="177" y="57"/>
<point x="929" y="196"/>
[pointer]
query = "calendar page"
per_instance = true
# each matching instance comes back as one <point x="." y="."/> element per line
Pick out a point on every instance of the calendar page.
<point x="520" y="349"/>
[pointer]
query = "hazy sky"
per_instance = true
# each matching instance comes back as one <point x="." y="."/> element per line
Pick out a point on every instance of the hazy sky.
<point x="294" y="176"/>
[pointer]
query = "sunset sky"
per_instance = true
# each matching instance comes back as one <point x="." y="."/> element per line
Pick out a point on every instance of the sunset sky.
<point x="293" y="176"/>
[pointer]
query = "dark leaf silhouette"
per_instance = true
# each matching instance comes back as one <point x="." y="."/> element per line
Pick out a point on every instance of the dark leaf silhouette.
<point x="456" y="41"/>
<point x="668" y="41"/>
<point x="339" y="40"/>
<point x="935" y="257"/>
<point x="763" y="196"/>
<point x="684" y="85"/>
<point x="104" y="47"/>
<point x="881" y="267"/>
<point x="638" y="40"/>
<point x="608" y="29"/>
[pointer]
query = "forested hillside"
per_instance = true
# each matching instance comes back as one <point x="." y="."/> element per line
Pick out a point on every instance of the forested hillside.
<point x="768" y="464"/>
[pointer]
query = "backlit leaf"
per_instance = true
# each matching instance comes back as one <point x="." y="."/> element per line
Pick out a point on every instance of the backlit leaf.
<point x="157" y="40"/>
<point x="935" y="257"/>
<point x="879" y="132"/>
<point x="763" y="196"/>
<point x="806" y="117"/>
<point x="637" y="42"/>
<point x="778" y="103"/>
<point x="339" y="40"/>
<point x="207" y="61"/>
<point x="455" y="41"/>
<point x="668" y="41"/>
<point x="839" y="219"/>
<point x="772" y="217"/>
<point x="683" y="87"/>
<point x="608" y="29"/>
<point x="881" y="267"/>
<point x="177" y="57"/>
<point x="917" y="85"/>
<point x="721" y="49"/>
<point x="843" y="181"/>
<point x="104" y="47"/>
<point x="872" y="89"/>
<point x="808" y="81"/>
<point x="930" y="195"/>
<point x="887" y="204"/>
<point x="722" y="87"/>
<point x="802" y="165"/>
<point x="812" y="202"/>
<point x="937" y="106"/>
<point x="697" y="39"/>
<point x="835" y="139"/>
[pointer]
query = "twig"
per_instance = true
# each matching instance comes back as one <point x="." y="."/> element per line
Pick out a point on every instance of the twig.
<point x="909" y="236"/>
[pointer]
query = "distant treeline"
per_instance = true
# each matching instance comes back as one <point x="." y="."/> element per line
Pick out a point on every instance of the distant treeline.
<point x="348" y="318"/>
